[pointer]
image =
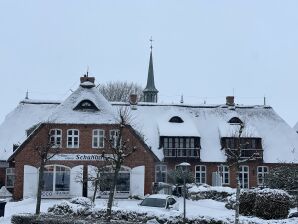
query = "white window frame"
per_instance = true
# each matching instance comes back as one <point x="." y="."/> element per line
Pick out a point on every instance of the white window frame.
<point x="261" y="174"/>
<point x="55" y="136"/>
<point x="224" y="171"/>
<point x="99" y="135"/>
<point x="114" y="135"/>
<point x="73" y="136"/>
<point x="241" y="174"/>
<point x="163" y="170"/>
<point x="10" y="172"/>
<point x="199" y="173"/>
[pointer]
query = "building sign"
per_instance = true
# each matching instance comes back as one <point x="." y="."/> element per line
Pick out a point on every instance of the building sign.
<point x="55" y="194"/>
<point x="81" y="157"/>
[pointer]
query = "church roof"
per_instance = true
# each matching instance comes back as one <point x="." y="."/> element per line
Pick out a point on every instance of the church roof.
<point x="150" y="87"/>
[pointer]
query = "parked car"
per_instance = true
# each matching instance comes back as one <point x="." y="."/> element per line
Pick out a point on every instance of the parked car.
<point x="161" y="201"/>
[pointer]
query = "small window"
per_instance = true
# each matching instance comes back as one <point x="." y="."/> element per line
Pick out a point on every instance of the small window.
<point x="10" y="177"/>
<point x="114" y="135"/>
<point x="200" y="174"/>
<point x="72" y="138"/>
<point x="98" y="138"/>
<point x="176" y="119"/>
<point x="244" y="177"/>
<point x="161" y="173"/>
<point x="55" y="138"/>
<point x="224" y="172"/>
<point x="262" y="173"/>
<point x="235" y="120"/>
<point x="86" y="105"/>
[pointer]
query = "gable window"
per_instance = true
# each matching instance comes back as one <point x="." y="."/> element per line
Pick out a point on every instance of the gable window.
<point x="262" y="172"/>
<point x="86" y="105"/>
<point x="72" y="138"/>
<point x="235" y="120"/>
<point x="200" y="174"/>
<point x="176" y="119"/>
<point x="161" y="173"/>
<point x="224" y="172"/>
<point x="114" y="135"/>
<point x="56" y="137"/>
<point x="10" y="177"/>
<point x="244" y="176"/>
<point x="98" y="138"/>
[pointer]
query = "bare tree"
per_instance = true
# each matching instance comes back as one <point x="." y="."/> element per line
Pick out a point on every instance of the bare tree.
<point x="235" y="159"/>
<point x="46" y="149"/>
<point x="120" y="147"/>
<point x="119" y="91"/>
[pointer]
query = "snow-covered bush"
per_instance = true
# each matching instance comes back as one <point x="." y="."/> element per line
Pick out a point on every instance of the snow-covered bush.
<point x="272" y="204"/>
<point x="68" y="208"/>
<point x="86" y="202"/>
<point x="199" y="192"/>
<point x="247" y="202"/>
<point x="266" y="203"/>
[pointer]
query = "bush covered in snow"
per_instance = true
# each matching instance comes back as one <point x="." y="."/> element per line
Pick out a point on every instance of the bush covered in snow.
<point x="68" y="208"/>
<point x="86" y="202"/>
<point x="266" y="203"/>
<point x="272" y="204"/>
<point x="199" y="192"/>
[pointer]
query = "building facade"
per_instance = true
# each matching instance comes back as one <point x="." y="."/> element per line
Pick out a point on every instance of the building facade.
<point x="164" y="135"/>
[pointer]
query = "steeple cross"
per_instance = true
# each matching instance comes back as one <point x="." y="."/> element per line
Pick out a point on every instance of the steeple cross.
<point x="151" y="40"/>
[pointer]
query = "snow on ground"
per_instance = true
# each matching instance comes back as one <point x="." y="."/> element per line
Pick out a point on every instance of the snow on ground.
<point x="206" y="208"/>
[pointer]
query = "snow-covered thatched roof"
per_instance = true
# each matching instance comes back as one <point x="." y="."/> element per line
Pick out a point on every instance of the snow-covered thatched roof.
<point x="209" y="122"/>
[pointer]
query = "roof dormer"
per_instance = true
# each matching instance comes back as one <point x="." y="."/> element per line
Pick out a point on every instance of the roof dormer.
<point x="235" y="120"/>
<point x="86" y="105"/>
<point x="176" y="119"/>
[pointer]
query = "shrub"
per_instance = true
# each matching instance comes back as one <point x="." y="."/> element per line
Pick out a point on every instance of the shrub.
<point x="247" y="202"/>
<point x="86" y="202"/>
<point x="272" y="204"/>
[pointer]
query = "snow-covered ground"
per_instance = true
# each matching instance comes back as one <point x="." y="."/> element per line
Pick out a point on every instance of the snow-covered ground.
<point x="206" y="208"/>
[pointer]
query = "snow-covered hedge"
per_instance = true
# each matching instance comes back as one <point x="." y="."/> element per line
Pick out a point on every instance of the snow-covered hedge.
<point x="266" y="203"/>
<point x="199" y="192"/>
<point x="86" y="202"/>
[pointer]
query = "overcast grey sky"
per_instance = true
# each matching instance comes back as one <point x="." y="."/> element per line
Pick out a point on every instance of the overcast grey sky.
<point x="202" y="49"/>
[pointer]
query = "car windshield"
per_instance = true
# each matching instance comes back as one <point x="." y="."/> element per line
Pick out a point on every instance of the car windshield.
<point x="154" y="202"/>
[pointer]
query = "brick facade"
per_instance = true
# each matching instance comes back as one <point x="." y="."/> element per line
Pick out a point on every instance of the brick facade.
<point x="28" y="156"/>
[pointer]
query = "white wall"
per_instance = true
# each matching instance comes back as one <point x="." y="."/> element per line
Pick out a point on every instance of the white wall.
<point x="30" y="181"/>
<point x="137" y="181"/>
<point x="76" y="176"/>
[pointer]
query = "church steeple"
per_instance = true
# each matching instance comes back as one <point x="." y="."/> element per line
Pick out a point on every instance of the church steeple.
<point x="150" y="92"/>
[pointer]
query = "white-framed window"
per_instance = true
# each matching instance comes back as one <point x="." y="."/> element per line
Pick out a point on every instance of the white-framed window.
<point x="224" y="172"/>
<point x="244" y="176"/>
<point x="161" y="173"/>
<point x="72" y="138"/>
<point x="261" y="174"/>
<point x="56" y="181"/>
<point x="56" y="137"/>
<point x="98" y="138"/>
<point x="10" y="177"/>
<point x="200" y="174"/>
<point x="114" y="135"/>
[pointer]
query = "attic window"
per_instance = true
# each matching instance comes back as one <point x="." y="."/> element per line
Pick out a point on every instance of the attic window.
<point x="176" y="119"/>
<point x="235" y="120"/>
<point x="86" y="105"/>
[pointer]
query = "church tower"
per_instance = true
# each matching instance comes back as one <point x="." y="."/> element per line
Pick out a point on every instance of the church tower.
<point x="150" y="92"/>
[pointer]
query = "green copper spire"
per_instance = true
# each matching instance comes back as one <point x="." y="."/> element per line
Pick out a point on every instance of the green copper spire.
<point x="150" y="92"/>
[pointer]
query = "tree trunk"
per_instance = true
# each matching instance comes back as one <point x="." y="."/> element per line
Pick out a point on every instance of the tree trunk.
<point x="39" y="189"/>
<point x="95" y="190"/>
<point x="112" y="192"/>
<point x="237" y="196"/>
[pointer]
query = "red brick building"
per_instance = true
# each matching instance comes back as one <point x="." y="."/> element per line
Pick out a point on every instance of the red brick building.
<point x="164" y="135"/>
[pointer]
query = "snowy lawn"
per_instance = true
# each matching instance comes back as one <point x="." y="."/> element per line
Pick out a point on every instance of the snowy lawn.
<point x="206" y="208"/>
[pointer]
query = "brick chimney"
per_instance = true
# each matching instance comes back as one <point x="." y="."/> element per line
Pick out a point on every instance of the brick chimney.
<point x="86" y="78"/>
<point x="230" y="101"/>
<point x="133" y="101"/>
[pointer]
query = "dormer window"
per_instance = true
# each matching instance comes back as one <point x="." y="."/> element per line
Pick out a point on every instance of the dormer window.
<point x="235" y="120"/>
<point x="86" y="105"/>
<point x="176" y="119"/>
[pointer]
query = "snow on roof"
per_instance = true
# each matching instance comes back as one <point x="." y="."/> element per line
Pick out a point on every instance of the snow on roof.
<point x="186" y="128"/>
<point x="279" y="140"/>
<point x="24" y="116"/>
<point x="209" y="122"/>
<point x="65" y="112"/>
